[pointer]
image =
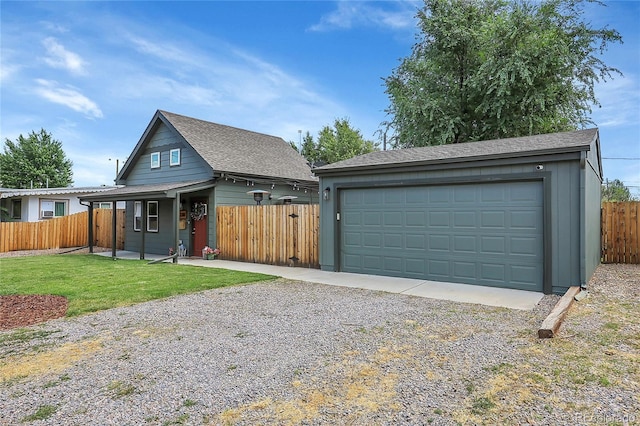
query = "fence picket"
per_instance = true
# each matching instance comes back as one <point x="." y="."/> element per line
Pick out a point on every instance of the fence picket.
<point x="62" y="232"/>
<point x="620" y="228"/>
<point x="268" y="234"/>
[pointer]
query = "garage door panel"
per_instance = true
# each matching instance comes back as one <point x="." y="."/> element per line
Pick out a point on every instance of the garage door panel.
<point x="439" y="219"/>
<point x="464" y="244"/>
<point x="353" y="239"/>
<point x="524" y="246"/>
<point x="352" y="218"/>
<point x="493" y="219"/>
<point x="416" y="219"/>
<point x="464" y="219"/>
<point x="372" y="218"/>
<point x="495" y="245"/>
<point x="524" y="219"/>
<point x="372" y="262"/>
<point x="392" y="218"/>
<point x="493" y="272"/>
<point x="416" y="241"/>
<point x="392" y="241"/>
<point x="439" y="242"/>
<point x="393" y="264"/>
<point x="464" y="194"/>
<point x="486" y="234"/>
<point x="464" y="270"/>
<point x="371" y="240"/>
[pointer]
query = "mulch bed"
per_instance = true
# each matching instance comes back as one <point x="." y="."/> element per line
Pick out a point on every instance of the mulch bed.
<point x="21" y="310"/>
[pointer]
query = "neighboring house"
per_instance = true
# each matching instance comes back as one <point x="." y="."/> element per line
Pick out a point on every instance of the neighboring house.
<point x="182" y="168"/>
<point x="34" y="205"/>
<point x="520" y="213"/>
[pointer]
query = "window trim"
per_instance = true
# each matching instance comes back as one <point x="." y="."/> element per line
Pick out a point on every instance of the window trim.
<point x="155" y="216"/>
<point x="64" y="202"/>
<point x="16" y="215"/>
<point x="137" y="225"/>
<point x="171" y="152"/>
<point x="155" y="160"/>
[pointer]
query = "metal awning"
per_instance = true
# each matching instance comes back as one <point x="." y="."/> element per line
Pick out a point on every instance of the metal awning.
<point x="150" y="192"/>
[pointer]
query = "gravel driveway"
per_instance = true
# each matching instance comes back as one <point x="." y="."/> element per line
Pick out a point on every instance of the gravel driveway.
<point x="290" y="352"/>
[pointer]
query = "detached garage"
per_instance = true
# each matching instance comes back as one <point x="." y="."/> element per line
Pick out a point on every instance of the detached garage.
<point x="521" y="213"/>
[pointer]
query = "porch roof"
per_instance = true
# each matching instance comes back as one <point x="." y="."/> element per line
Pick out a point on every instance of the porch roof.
<point x="151" y="191"/>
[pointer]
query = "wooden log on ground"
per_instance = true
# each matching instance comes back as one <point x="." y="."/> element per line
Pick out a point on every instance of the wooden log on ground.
<point x="162" y="259"/>
<point x="551" y="324"/>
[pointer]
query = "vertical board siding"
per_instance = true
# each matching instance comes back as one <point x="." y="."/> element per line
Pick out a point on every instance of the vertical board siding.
<point x="269" y="234"/>
<point x="621" y="232"/>
<point x="62" y="232"/>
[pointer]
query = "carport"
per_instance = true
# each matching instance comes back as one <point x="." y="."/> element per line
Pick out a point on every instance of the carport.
<point x="520" y="213"/>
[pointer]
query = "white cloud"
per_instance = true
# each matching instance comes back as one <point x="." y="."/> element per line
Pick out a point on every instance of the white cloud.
<point x="620" y="101"/>
<point x="350" y="14"/>
<point x="67" y="96"/>
<point x="59" y="57"/>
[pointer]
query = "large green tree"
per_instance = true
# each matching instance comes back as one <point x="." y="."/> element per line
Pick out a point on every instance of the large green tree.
<point x="37" y="159"/>
<point x="487" y="69"/>
<point x="616" y="191"/>
<point x="335" y="143"/>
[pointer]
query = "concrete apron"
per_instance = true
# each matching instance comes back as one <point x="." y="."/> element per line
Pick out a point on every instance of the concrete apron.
<point x="490" y="296"/>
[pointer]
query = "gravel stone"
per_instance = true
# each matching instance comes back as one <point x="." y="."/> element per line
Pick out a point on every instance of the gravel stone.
<point x="291" y="352"/>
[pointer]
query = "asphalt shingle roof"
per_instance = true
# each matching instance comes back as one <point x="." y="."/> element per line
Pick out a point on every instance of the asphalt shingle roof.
<point x="579" y="140"/>
<point x="237" y="151"/>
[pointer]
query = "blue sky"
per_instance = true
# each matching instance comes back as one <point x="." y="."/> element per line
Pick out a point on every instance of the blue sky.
<point x="94" y="73"/>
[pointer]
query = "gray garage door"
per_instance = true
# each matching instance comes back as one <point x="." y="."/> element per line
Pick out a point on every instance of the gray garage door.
<point x="485" y="234"/>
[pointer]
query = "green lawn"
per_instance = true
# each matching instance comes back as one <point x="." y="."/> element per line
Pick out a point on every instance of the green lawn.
<point x="93" y="283"/>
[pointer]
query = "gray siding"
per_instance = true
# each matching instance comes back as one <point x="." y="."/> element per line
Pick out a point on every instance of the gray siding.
<point x="235" y="194"/>
<point x="592" y="218"/>
<point x="191" y="167"/>
<point x="562" y="197"/>
<point x="155" y="242"/>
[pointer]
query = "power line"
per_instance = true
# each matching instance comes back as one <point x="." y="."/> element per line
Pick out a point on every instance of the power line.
<point x="621" y="158"/>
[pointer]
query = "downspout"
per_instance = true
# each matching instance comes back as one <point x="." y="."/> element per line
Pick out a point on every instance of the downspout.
<point x="583" y="222"/>
<point x="90" y="225"/>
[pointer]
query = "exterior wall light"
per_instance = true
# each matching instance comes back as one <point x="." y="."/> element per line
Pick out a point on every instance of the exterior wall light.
<point x="326" y="194"/>
<point x="258" y="195"/>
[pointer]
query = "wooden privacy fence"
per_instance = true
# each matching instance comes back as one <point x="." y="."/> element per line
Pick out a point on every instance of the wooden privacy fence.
<point x="274" y="235"/>
<point x="62" y="232"/>
<point x="620" y="231"/>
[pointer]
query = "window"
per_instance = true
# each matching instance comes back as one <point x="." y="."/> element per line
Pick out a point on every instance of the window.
<point x="102" y="205"/>
<point x="152" y="216"/>
<point x="155" y="160"/>
<point x="52" y="208"/>
<point x="174" y="157"/>
<point x="137" y="215"/>
<point x="16" y="209"/>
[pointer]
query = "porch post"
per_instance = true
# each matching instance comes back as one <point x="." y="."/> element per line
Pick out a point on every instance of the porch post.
<point x="90" y="221"/>
<point x="114" y="228"/>
<point x="176" y="221"/>
<point x="143" y="225"/>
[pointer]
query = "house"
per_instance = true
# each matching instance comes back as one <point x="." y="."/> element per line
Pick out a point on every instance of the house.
<point x="521" y="213"/>
<point x="182" y="168"/>
<point x="34" y="205"/>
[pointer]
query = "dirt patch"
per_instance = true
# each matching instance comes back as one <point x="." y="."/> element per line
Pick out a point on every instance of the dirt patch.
<point x="20" y="310"/>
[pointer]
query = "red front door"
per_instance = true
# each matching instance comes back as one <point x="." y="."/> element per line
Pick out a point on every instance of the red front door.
<point x="198" y="227"/>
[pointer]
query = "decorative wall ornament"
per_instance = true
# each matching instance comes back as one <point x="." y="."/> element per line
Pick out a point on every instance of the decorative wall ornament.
<point x="198" y="211"/>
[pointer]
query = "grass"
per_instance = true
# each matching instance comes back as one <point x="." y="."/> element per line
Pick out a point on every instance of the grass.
<point x="42" y="413"/>
<point x="93" y="283"/>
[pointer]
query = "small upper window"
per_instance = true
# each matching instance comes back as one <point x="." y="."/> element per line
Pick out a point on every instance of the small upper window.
<point x="174" y="157"/>
<point x="155" y="160"/>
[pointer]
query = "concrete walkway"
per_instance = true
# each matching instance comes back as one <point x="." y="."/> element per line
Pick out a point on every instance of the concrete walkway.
<point x="491" y="296"/>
